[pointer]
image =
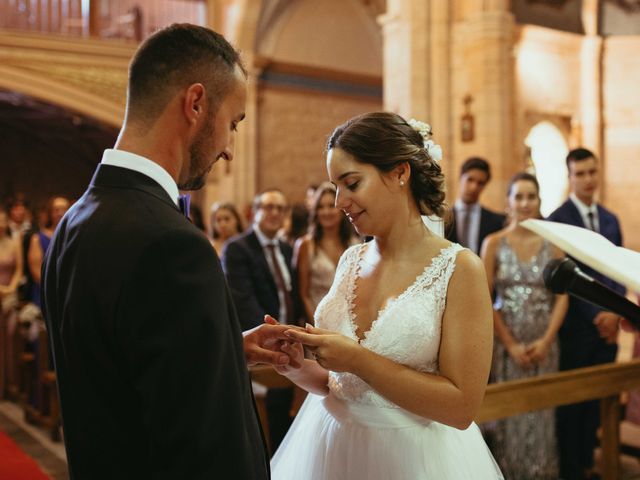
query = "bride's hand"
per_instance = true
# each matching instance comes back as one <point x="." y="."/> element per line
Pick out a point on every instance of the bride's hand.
<point x="331" y="350"/>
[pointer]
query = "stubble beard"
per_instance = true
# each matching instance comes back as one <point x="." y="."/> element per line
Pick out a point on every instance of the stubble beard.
<point x="200" y="164"/>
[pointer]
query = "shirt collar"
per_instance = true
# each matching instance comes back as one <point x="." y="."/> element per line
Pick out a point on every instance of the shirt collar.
<point x="461" y="206"/>
<point x="582" y="207"/>
<point x="137" y="163"/>
<point x="263" y="239"/>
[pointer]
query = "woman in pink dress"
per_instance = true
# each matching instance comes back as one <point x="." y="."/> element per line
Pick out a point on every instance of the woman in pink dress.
<point x="316" y="254"/>
<point x="10" y="274"/>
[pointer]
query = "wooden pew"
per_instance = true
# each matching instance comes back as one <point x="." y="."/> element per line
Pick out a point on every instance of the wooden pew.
<point x="602" y="382"/>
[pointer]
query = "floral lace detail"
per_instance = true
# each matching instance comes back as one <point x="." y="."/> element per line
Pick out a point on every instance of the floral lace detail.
<point x="407" y="329"/>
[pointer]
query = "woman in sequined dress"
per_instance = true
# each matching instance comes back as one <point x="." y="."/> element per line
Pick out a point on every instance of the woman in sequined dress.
<point x="527" y="317"/>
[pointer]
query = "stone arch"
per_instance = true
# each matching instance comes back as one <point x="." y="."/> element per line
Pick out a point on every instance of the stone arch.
<point x="353" y="42"/>
<point x="35" y="84"/>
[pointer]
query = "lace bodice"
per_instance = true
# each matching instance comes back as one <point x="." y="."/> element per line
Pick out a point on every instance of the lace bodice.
<point x="407" y="330"/>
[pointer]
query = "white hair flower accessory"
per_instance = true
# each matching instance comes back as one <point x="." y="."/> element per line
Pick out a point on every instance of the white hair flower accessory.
<point x="424" y="129"/>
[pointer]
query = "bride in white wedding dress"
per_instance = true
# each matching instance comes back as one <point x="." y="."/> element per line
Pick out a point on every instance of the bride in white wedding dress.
<point x="403" y="345"/>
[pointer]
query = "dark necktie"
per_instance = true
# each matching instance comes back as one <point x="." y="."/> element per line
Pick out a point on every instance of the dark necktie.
<point x="280" y="283"/>
<point x="592" y="223"/>
<point x="184" y="203"/>
<point x="464" y="226"/>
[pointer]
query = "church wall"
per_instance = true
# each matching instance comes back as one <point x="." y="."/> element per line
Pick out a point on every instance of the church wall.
<point x="622" y="133"/>
<point x="294" y="125"/>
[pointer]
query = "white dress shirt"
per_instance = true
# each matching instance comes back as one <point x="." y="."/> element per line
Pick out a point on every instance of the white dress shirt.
<point x="474" y="223"/>
<point x="137" y="163"/>
<point x="584" y="210"/>
<point x="264" y="243"/>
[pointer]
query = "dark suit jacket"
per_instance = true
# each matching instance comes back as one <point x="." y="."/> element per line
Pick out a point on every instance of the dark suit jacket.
<point x="578" y="325"/>
<point x="490" y="222"/>
<point x="147" y="347"/>
<point x="252" y="284"/>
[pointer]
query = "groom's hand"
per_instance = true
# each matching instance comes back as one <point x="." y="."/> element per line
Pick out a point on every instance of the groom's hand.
<point x="263" y="343"/>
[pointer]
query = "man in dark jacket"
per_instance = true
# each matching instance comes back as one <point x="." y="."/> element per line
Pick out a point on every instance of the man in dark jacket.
<point x="588" y="334"/>
<point x="146" y="343"/>
<point x="471" y="221"/>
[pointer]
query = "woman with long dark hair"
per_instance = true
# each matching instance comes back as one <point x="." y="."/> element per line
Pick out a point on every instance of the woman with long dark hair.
<point x="402" y="348"/>
<point x="317" y="254"/>
<point x="225" y="223"/>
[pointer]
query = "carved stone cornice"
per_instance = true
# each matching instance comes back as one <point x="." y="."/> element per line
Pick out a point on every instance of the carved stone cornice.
<point x="82" y="74"/>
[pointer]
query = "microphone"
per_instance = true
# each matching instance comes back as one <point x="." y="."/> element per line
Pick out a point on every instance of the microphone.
<point x="564" y="276"/>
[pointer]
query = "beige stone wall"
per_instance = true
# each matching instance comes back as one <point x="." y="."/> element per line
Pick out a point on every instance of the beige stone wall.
<point x="622" y="133"/>
<point x="294" y="126"/>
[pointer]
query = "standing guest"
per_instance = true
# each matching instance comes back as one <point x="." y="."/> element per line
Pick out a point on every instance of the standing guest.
<point x="588" y="335"/>
<point x="403" y="349"/>
<point x="39" y="244"/>
<point x="195" y="216"/>
<point x="20" y="224"/>
<point x="471" y="221"/>
<point x="148" y="351"/>
<point x="310" y="195"/>
<point x="296" y="223"/>
<point x="527" y="317"/>
<point x="225" y="223"/>
<point x="316" y="255"/>
<point x="19" y="215"/>
<point x="257" y="264"/>
<point x="10" y="275"/>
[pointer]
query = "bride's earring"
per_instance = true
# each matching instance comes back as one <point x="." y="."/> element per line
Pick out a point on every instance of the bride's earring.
<point x="402" y="183"/>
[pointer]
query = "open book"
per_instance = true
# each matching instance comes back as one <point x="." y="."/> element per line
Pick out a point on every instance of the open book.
<point x="592" y="249"/>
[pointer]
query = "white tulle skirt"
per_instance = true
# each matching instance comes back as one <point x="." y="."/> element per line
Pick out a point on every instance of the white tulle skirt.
<point x="334" y="440"/>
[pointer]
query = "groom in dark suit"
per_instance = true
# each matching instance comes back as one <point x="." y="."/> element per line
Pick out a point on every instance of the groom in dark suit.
<point x="588" y="334"/>
<point x="257" y="264"/>
<point x="472" y="222"/>
<point x="147" y="347"/>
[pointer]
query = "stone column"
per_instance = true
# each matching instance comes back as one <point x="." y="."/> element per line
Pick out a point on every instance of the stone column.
<point x="236" y="182"/>
<point x="417" y="65"/>
<point x="406" y="52"/>
<point x="484" y="69"/>
<point x="591" y="88"/>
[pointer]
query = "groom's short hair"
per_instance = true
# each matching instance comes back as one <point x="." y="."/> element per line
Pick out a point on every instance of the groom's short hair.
<point x="174" y="58"/>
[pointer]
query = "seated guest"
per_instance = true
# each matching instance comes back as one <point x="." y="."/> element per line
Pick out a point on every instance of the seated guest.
<point x="225" y="223"/>
<point x="471" y="221"/>
<point x="257" y="265"/>
<point x="527" y="317"/>
<point x="316" y="254"/>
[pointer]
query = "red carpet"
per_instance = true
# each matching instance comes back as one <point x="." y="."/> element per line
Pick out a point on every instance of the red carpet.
<point x="15" y="464"/>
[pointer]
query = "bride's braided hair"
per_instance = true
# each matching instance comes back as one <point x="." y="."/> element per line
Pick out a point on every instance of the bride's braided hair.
<point x="386" y="140"/>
